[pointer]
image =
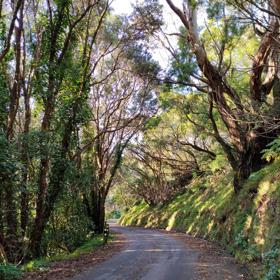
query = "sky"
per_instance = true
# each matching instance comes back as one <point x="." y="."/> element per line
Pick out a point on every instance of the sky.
<point x="172" y="23"/>
<point x="124" y="6"/>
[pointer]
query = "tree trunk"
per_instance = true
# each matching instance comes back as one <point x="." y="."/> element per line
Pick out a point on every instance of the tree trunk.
<point x="15" y="91"/>
<point x="9" y="188"/>
<point x="3" y="257"/>
<point x="36" y="237"/>
<point x="245" y="155"/>
<point x="251" y="160"/>
<point x="59" y="168"/>
<point x="98" y="210"/>
<point x="1" y="212"/>
<point x="25" y="162"/>
<point x="11" y="221"/>
<point x="39" y="221"/>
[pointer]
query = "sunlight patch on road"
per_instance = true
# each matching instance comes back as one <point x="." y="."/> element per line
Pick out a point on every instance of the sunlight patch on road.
<point x="153" y="250"/>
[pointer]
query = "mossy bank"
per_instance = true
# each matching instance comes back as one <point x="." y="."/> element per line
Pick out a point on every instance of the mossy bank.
<point x="247" y="224"/>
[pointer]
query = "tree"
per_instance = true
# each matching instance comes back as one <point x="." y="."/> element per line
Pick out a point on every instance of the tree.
<point x="120" y="107"/>
<point x="170" y="153"/>
<point x="67" y="68"/>
<point x="44" y="75"/>
<point x="249" y="126"/>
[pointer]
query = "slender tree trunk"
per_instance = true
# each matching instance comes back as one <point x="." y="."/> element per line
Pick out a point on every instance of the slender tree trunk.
<point x="3" y="257"/>
<point x="9" y="187"/>
<point x="1" y="212"/>
<point x="39" y="221"/>
<point x="25" y="161"/>
<point x="101" y="221"/>
<point x="59" y="168"/>
<point x="11" y="221"/>
<point x="2" y="250"/>
<point x="15" y="92"/>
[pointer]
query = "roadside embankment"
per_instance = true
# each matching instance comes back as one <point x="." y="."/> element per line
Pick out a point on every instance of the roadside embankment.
<point x="247" y="224"/>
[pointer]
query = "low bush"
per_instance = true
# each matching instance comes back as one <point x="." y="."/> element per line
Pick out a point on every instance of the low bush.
<point x="9" y="272"/>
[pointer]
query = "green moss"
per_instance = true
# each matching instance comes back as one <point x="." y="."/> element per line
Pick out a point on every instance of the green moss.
<point x="247" y="224"/>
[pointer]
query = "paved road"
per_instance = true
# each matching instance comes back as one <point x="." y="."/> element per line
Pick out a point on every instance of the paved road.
<point x="150" y="255"/>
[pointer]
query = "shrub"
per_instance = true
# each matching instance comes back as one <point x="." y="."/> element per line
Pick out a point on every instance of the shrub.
<point x="271" y="260"/>
<point x="272" y="151"/>
<point x="9" y="272"/>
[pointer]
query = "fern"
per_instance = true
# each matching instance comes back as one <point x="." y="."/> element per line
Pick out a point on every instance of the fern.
<point x="272" y="151"/>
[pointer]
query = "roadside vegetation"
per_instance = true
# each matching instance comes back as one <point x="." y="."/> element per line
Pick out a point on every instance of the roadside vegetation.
<point x="10" y="271"/>
<point x="246" y="225"/>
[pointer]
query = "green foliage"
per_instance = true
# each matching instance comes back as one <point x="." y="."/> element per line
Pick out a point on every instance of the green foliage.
<point x="218" y="163"/>
<point x="146" y="22"/>
<point x="9" y="272"/>
<point x="241" y="241"/>
<point x="215" y="9"/>
<point x="87" y="247"/>
<point x="183" y="65"/>
<point x="4" y="99"/>
<point x="246" y="223"/>
<point x="272" y="151"/>
<point x="153" y="122"/>
<point x="69" y="226"/>
<point x="9" y="162"/>
<point x="115" y="214"/>
<point x="272" y="263"/>
<point x="143" y="62"/>
<point x="244" y="249"/>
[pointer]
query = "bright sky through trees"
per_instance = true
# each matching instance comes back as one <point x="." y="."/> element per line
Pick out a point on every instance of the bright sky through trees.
<point x="171" y="21"/>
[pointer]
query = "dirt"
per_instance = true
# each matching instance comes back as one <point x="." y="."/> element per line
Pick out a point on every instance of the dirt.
<point x="66" y="269"/>
<point x="213" y="262"/>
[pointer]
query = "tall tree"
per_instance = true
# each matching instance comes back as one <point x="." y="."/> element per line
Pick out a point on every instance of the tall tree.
<point x="249" y="127"/>
<point x="57" y="62"/>
<point x="120" y="107"/>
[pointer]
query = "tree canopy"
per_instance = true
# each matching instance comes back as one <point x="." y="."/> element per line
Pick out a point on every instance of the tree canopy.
<point x="85" y="108"/>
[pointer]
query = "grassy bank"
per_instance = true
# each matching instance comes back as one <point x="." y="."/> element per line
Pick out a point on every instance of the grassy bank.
<point x="11" y="272"/>
<point x="89" y="246"/>
<point x="247" y="224"/>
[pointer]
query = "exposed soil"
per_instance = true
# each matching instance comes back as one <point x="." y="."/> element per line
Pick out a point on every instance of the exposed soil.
<point x="66" y="269"/>
<point x="213" y="262"/>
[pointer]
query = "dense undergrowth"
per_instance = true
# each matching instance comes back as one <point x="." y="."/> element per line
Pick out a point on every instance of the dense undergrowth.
<point x="13" y="272"/>
<point x="247" y="224"/>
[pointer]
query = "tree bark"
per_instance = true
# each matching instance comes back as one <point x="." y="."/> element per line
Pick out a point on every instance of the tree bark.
<point x="59" y="168"/>
<point x="98" y="211"/>
<point x="11" y="242"/>
<point x="11" y="237"/>
<point x="25" y="161"/>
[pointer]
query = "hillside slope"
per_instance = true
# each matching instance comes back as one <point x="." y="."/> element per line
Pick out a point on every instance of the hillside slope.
<point x="248" y="224"/>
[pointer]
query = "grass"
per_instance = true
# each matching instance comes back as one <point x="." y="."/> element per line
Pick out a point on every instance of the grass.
<point x="247" y="224"/>
<point x="45" y="262"/>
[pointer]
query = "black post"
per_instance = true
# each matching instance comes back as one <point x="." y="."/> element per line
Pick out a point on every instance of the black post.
<point x="106" y="233"/>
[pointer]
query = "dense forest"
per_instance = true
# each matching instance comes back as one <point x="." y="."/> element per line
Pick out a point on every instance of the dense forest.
<point x="89" y="117"/>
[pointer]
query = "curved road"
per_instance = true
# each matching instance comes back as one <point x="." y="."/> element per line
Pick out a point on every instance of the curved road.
<point x="149" y="255"/>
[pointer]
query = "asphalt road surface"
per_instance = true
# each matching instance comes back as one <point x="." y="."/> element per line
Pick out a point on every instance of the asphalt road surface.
<point x="149" y="255"/>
